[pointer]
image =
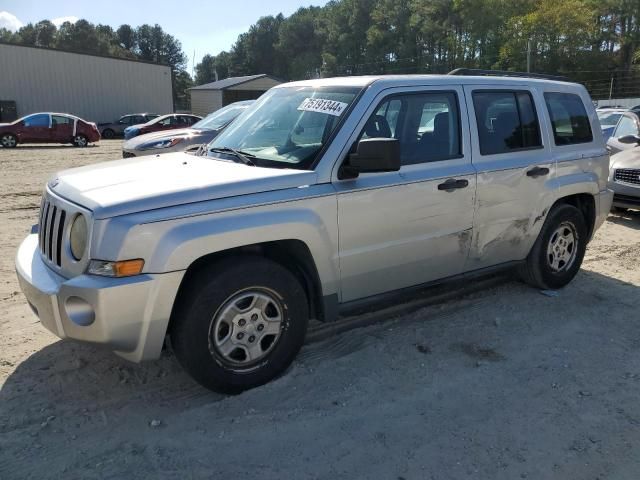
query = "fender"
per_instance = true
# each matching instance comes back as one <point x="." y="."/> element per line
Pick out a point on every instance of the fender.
<point x="174" y="244"/>
<point x="575" y="183"/>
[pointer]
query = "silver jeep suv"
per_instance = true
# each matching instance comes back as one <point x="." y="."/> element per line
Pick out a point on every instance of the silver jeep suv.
<point x="322" y="194"/>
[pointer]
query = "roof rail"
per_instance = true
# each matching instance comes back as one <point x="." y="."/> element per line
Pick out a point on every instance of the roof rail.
<point x="504" y="73"/>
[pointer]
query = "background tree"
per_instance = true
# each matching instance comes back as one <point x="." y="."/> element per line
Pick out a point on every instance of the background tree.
<point x="591" y="41"/>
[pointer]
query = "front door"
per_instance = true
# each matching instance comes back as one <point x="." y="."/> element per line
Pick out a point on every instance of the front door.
<point x="35" y="129"/>
<point x="399" y="229"/>
<point x="627" y="125"/>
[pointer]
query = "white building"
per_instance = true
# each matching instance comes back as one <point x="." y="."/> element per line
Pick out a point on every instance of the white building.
<point x="210" y="97"/>
<point x="95" y="88"/>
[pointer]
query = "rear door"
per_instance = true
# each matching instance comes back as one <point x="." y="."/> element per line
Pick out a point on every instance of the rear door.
<point x="61" y="129"/>
<point x="36" y="129"/>
<point x="399" y="229"/>
<point x="515" y="172"/>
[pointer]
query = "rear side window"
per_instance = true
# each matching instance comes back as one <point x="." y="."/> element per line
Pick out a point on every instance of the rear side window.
<point x="507" y="121"/>
<point x="60" y="120"/>
<point x="569" y="119"/>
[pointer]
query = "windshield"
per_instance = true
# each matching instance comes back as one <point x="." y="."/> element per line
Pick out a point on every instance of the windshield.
<point x="609" y="119"/>
<point x="287" y="127"/>
<point x="222" y="117"/>
<point x="157" y="120"/>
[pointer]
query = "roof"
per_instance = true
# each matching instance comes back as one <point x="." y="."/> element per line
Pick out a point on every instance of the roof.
<point x="111" y="57"/>
<point x="415" y="80"/>
<point x="232" y="82"/>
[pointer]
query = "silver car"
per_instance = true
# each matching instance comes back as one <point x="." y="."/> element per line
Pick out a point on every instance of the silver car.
<point x="628" y="124"/>
<point x="624" y="175"/>
<point x="327" y="196"/>
<point x="115" y="129"/>
<point x="198" y="134"/>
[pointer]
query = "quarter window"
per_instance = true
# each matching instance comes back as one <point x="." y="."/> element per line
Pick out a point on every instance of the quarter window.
<point x="426" y="124"/>
<point x="507" y="121"/>
<point x="569" y="119"/>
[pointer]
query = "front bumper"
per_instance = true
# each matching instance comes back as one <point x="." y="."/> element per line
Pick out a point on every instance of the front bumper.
<point x="129" y="315"/>
<point x="625" y="195"/>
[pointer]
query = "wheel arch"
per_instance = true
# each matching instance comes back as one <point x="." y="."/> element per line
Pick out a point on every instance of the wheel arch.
<point x="292" y="254"/>
<point x="586" y="203"/>
<point x="15" y="135"/>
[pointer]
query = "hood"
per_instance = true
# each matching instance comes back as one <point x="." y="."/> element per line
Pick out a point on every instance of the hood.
<point x="161" y="135"/>
<point x="145" y="183"/>
<point x="629" y="158"/>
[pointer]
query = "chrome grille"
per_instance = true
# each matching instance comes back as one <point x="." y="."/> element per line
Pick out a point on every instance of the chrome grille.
<point x="51" y="229"/>
<point x="627" y="175"/>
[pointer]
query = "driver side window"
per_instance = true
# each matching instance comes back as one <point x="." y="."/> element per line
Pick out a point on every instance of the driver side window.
<point x="39" y="120"/>
<point x="427" y="126"/>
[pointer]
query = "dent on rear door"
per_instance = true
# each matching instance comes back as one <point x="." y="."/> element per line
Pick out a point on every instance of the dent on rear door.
<point x="510" y="205"/>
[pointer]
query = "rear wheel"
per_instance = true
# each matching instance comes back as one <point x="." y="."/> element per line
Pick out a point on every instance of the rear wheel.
<point x="80" y="141"/>
<point x="558" y="252"/>
<point x="239" y="324"/>
<point x="8" y="140"/>
<point x="108" y="134"/>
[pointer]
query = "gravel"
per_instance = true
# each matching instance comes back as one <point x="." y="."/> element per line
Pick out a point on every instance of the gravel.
<point x="501" y="383"/>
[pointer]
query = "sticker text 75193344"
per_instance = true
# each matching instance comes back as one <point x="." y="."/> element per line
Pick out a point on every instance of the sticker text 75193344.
<point x="320" y="105"/>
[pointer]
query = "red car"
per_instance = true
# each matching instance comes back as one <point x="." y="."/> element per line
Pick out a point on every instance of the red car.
<point x="165" y="122"/>
<point x="48" y="128"/>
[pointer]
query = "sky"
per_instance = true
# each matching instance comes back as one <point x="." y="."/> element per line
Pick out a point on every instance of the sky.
<point x="201" y="26"/>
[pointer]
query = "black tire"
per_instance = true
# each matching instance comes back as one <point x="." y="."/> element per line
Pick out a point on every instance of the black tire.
<point x="8" y="140"/>
<point x="200" y="305"/>
<point x="619" y="209"/>
<point x="108" y="134"/>
<point x="80" y="141"/>
<point x="537" y="269"/>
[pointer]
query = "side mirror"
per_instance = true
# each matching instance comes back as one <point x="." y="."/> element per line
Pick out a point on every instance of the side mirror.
<point x="372" y="155"/>
<point x="629" y="139"/>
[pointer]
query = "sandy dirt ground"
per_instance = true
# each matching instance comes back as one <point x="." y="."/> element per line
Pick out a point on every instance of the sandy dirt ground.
<point x="505" y="383"/>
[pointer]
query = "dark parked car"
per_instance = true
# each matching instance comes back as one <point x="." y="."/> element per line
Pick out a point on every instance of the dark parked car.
<point x="165" y="122"/>
<point x="628" y="124"/>
<point x="49" y="128"/>
<point x="113" y="129"/>
<point x="199" y="134"/>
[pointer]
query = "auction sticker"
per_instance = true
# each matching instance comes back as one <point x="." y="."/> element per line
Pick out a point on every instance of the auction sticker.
<point x="320" y="105"/>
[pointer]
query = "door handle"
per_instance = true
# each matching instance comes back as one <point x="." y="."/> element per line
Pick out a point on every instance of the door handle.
<point x="536" y="172"/>
<point x="452" y="184"/>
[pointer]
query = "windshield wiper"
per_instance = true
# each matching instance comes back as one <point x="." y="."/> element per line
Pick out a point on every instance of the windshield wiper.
<point x="242" y="156"/>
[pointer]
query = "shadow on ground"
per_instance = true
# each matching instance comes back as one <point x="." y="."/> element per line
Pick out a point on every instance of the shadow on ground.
<point x="503" y="383"/>
<point x="630" y="218"/>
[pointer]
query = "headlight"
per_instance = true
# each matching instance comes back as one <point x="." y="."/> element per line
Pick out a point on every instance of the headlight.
<point x="78" y="237"/>
<point x="122" y="268"/>
<point x="170" y="142"/>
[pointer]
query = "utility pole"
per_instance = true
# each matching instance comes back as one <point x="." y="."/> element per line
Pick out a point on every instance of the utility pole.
<point x="528" y="56"/>
<point x="611" y="88"/>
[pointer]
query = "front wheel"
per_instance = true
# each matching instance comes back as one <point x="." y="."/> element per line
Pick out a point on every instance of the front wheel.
<point x="8" y="140"/>
<point x="239" y="324"/>
<point x="558" y="252"/>
<point x="80" y="141"/>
